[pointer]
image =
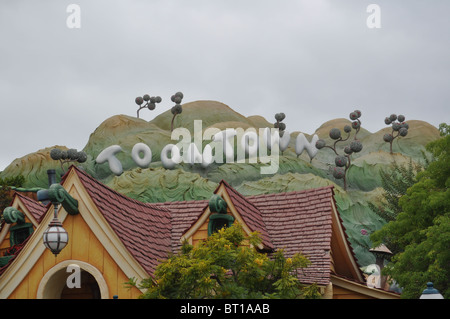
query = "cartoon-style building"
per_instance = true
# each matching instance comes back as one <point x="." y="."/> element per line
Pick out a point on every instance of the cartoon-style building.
<point x="113" y="238"/>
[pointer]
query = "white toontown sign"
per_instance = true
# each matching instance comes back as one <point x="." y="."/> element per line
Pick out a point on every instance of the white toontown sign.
<point x="251" y="147"/>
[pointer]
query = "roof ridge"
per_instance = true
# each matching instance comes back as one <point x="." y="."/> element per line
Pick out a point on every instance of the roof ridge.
<point x="228" y="186"/>
<point x="28" y="198"/>
<point x="32" y="205"/>
<point x="144" y="229"/>
<point x="310" y="190"/>
<point x="135" y="201"/>
<point x="267" y="241"/>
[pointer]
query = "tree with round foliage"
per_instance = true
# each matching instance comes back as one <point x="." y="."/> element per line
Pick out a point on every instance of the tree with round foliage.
<point x="343" y="161"/>
<point x="69" y="156"/>
<point x="225" y="266"/>
<point x="399" y="128"/>
<point x="279" y="117"/>
<point x="147" y="101"/>
<point x="176" y="109"/>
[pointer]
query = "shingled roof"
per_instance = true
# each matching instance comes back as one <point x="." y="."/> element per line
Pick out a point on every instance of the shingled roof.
<point x="251" y="215"/>
<point x="184" y="214"/>
<point x="298" y="221"/>
<point x="144" y="229"/>
<point x="36" y="209"/>
<point x="301" y="221"/>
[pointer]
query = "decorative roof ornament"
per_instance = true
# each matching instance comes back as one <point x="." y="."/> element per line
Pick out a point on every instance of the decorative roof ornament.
<point x="12" y="215"/>
<point x="219" y="217"/>
<point x="56" y="194"/>
<point x="217" y="204"/>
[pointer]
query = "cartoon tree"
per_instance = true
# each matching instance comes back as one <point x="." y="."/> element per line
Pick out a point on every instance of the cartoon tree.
<point x="401" y="127"/>
<point x="278" y="124"/>
<point x="69" y="156"/>
<point x="176" y="109"/>
<point x="343" y="162"/>
<point x="150" y="102"/>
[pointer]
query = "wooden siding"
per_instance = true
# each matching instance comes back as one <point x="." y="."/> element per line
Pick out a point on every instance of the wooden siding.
<point x="84" y="246"/>
<point x="342" y="293"/>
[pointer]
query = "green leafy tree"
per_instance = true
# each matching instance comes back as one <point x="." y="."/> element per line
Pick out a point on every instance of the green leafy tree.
<point x="5" y="190"/>
<point x="395" y="181"/>
<point x="444" y="129"/>
<point x="225" y="266"/>
<point x="422" y="229"/>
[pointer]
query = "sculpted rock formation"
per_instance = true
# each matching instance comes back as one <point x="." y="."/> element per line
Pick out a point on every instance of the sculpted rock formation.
<point x="187" y="182"/>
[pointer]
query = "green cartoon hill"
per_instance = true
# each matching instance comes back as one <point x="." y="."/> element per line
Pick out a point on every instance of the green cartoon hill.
<point x="187" y="182"/>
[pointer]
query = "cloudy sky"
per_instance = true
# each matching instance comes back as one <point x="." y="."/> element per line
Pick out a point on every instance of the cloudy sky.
<point x="314" y="60"/>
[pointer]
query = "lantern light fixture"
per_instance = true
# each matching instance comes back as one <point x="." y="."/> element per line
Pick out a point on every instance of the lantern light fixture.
<point x="55" y="237"/>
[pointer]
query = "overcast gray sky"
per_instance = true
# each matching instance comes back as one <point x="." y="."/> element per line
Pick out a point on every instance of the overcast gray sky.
<point x="314" y="60"/>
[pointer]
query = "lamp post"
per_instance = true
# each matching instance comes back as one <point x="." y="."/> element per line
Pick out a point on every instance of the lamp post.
<point x="55" y="236"/>
<point x="381" y="253"/>
<point x="431" y="292"/>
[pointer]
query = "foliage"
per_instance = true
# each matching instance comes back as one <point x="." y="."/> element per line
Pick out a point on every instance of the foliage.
<point x="5" y="190"/>
<point x="226" y="266"/>
<point x="422" y="229"/>
<point x="444" y="129"/>
<point x="395" y="181"/>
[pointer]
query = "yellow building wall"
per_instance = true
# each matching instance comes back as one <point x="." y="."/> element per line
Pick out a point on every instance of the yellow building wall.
<point x="5" y="244"/>
<point x="201" y="233"/>
<point x="342" y="293"/>
<point x="84" y="246"/>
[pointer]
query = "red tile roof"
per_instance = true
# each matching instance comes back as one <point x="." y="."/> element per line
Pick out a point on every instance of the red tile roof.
<point x="184" y="214"/>
<point x="144" y="229"/>
<point x="251" y="215"/>
<point x="301" y="221"/>
<point x="36" y="209"/>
